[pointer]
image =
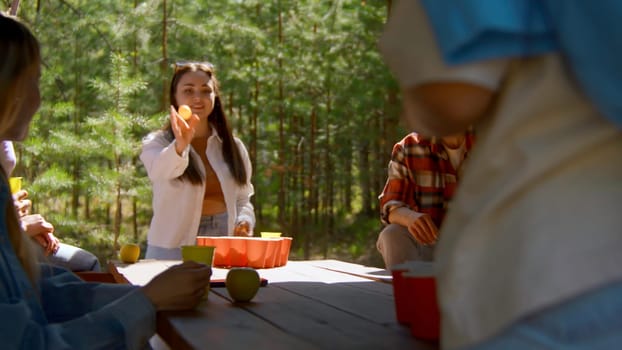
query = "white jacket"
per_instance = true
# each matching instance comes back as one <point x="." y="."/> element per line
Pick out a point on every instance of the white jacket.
<point x="177" y="205"/>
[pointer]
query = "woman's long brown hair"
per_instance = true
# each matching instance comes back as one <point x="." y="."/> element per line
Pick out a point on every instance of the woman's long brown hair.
<point x="20" y="52"/>
<point x="217" y="119"/>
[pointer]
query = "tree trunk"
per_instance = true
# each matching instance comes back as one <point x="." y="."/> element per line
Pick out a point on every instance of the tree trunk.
<point x="365" y="177"/>
<point x="312" y="187"/>
<point x="253" y="140"/>
<point x="281" y="113"/>
<point x="14" y="8"/>
<point x="76" y="166"/>
<point x="164" y="62"/>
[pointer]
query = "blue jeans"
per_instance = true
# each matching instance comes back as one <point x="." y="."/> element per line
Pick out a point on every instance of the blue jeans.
<point x="159" y="253"/>
<point x="215" y="225"/>
<point x="592" y="321"/>
<point x="74" y="259"/>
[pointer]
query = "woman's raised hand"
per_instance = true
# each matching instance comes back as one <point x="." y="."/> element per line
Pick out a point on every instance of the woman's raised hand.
<point x="182" y="129"/>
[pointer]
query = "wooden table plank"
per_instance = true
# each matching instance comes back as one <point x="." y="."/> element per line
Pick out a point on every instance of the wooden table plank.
<point x="218" y="324"/>
<point x="339" y="290"/>
<point x="373" y="273"/>
<point x="324" y="304"/>
<point x="319" y="273"/>
<point x="289" y="306"/>
<point x="365" y="308"/>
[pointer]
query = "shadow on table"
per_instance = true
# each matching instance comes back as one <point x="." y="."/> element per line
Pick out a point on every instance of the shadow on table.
<point x="357" y="315"/>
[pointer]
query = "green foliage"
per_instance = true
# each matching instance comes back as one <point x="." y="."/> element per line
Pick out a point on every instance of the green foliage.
<point x="302" y="83"/>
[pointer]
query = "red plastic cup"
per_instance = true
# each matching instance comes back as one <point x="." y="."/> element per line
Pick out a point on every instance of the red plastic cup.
<point x="423" y="310"/>
<point x="400" y="295"/>
<point x="414" y="290"/>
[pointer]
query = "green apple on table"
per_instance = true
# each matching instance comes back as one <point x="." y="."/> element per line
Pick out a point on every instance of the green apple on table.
<point x="129" y="253"/>
<point x="242" y="283"/>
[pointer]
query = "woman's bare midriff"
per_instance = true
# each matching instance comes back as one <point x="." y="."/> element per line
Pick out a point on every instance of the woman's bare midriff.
<point x="213" y="207"/>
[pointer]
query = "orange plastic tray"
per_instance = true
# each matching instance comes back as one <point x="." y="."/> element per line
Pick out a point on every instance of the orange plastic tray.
<point x="255" y="252"/>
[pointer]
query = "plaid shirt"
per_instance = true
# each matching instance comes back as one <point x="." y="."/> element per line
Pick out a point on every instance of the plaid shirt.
<point x="421" y="177"/>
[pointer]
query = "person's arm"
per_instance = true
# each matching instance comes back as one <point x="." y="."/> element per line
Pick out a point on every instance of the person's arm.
<point x="41" y="231"/>
<point x="126" y="321"/>
<point x="183" y="130"/>
<point x="445" y="108"/>
<point x="169" y="160"/>
<point x="397" y="200"/>
<point x="420" y="225"/>
<point x="7" y="156"/>
<point x="160" y="158"/>
<point x="245" y="222"/>
<point x="85" y="315"/>
<point x="397" y="191"/>
<point x="439" y="99"/>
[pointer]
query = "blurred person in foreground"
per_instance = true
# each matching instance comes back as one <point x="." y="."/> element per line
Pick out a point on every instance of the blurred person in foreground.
<point x="422" y="177"/>
<point x="41" y="231"/>
<point x="46" y="307"/>
<point x="529" y="254"/>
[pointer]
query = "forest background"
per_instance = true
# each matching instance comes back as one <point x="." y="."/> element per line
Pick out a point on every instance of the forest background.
<point x="303" y="86"/>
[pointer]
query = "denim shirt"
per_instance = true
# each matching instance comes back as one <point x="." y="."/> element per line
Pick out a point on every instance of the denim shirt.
<point x="62" y="311"/>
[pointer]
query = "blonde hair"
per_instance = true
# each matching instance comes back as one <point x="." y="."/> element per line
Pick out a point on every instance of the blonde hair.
<point x="20" y="52"/>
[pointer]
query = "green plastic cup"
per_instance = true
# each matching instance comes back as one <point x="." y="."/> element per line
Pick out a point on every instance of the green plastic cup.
<point x="202" y="254"/>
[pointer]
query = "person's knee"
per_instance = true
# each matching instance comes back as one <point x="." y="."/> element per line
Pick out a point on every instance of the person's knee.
<point x="88" y="260"/>
<point x="95" y="266"/>
<point x="75" y="259"/>
<point x="395" y="245"/>
<point x="393" y="235"/>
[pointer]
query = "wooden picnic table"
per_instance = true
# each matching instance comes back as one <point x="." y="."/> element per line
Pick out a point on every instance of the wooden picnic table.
<point x="315" y="304"/>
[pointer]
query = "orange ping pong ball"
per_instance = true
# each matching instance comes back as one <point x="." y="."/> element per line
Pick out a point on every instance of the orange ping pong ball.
<point x="184" y="111"/>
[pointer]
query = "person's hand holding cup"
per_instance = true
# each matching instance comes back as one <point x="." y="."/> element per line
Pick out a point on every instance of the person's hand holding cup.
<point x="181" y="287"/>
<point x="199" y="254"/>
<point x="22" y="204"/>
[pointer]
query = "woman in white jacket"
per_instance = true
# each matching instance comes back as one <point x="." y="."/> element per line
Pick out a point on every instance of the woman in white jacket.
<point x="199" y="171"/>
